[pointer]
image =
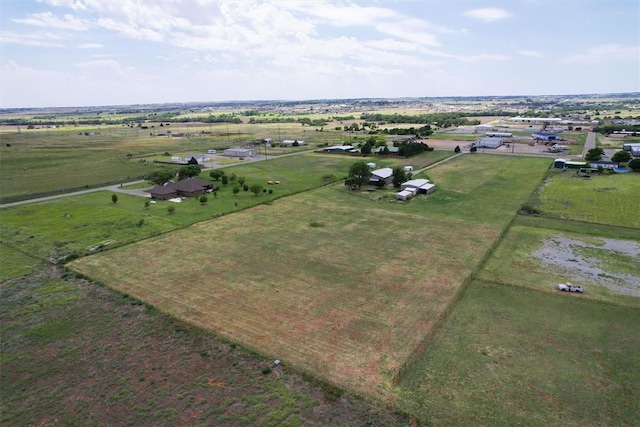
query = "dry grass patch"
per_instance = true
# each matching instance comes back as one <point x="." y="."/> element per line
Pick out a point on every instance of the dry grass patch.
<point x="347" y="301"/>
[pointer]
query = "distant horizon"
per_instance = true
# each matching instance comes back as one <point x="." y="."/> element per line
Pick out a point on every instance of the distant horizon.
<point x="319" y="100"/>
<point x="72" y="53"/>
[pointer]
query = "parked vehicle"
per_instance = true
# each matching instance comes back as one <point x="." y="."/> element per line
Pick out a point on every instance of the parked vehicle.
<point x="569" y="287"/>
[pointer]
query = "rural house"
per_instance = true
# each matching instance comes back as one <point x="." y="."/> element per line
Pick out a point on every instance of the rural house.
<point x="165" y="191"/>
<point x="192" y="187"/>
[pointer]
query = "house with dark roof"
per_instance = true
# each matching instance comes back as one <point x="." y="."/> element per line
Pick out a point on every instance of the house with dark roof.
<point x="189" y="187"/>
<point x="192" y="187"/>
<point x="165" y="191"/>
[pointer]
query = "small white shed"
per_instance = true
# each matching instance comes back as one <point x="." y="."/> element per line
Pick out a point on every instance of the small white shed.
<point x="408" y="168"/>
<point x="404" y="195"/>
<point x="371" y="165"/>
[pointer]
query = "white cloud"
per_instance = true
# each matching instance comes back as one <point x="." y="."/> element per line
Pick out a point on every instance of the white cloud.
<point x="90" y="46"/>
<point x="530" y="53"/>
<point x="34" y="39"/>
<point x="488" y="14"/>
<point x="49" y="20"/>
<point x="604" y="54"/>
<point x="110" y="65"/>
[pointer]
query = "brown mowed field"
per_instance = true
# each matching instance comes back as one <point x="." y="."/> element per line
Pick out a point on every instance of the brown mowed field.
<point x="340" y="286"/>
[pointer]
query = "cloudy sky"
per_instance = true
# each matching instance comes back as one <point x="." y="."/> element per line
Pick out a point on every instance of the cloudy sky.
<point x="109" y="52"/>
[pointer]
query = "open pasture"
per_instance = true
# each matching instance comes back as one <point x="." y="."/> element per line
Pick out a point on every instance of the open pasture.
<point x="482" y="188"/>
<point x="41" y="160"/>
<point x="512" y="356"/>
<point x="540" y="258"/>
<point x="75" y="224"/>
<point x="308" y="279"/>
<point x="343" y="287"/>
<point x="603" y="199"/>
<point x="14" y="263"/>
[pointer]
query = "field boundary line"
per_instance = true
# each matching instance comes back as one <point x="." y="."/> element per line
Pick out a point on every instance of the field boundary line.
<point x="471" y="277"/>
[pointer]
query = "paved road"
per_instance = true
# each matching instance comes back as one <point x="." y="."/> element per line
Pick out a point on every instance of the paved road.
<point x="589" y="143"/>
<point x="114" y="188"/>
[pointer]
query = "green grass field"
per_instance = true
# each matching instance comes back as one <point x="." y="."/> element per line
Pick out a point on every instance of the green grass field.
<point x="346" y="286"/>
<point x="515" y="263"/>
<point x="604" y="199"/>
<point x="76" y="224"/>
<point x="14" y="263"/>
<point x="312" y="280"/>
<point x="511" y="356"/>
<point x="41" y="160"/>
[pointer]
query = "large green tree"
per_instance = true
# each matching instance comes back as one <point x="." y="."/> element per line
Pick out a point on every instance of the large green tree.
<point x="189" y="171"/>
<point x="359" y="174"/>
<point x="256" y="189"/>
<point x="161" y="176"/>
<point x="621" y="157"/>
<point x="635" y="165"/>
<point x="594" y="154"/>
<point x="216" y="174"/>
<point x="399" y="176"/>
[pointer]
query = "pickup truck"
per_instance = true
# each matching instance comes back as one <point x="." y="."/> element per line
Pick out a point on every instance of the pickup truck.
<point x="569" y="287"/>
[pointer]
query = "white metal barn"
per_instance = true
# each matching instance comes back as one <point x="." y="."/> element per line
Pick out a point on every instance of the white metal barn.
<point x="384" y="174"/>
<point x="488" y="143"/>
<point x="423" y="186"/>
<point x="238" y="152"/>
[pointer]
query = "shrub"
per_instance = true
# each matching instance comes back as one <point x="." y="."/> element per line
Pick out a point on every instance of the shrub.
<point x="141" y="222"/>
<point x="171" y="210"/>
<point x="266" y="370"/>
<point x="528" y="209"/>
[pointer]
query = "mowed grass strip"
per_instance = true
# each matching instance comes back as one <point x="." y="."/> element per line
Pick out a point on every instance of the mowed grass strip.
<point x="344" y="287"/>
<point x="603" y="199"/>
<point x="513" y="356"/>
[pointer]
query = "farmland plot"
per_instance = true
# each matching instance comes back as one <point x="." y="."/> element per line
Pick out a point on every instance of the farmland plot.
<point x="340" y="286"/>
<point x="308" y="280"/>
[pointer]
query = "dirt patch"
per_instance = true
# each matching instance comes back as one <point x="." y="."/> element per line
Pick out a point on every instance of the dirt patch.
<point x="569" y="254"/>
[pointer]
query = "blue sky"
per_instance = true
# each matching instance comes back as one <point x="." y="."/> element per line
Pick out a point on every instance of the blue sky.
<point x="110" y="52"/>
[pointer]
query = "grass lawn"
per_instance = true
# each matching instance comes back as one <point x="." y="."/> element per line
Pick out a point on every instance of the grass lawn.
<point x="512" y="356"/>
<point x="603" y="199"/>
<point x="312" y="280"/>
